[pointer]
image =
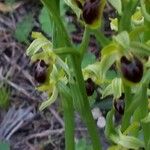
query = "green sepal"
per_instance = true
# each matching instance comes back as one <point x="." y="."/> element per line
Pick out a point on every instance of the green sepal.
<point x="115" y="88"/>
<point x="50" y="100"/>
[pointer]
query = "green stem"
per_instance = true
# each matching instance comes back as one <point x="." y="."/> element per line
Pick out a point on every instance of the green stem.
<point x="86" y="112"/>
<point x="69" y="124"/>
<point x="82" y="102"/>
<point x="66" y="50"/>
<point x="85" y="42"/>
<point x="67" y="104"/>
<point x="103" y="41"/>
<point x="127" y="116"/>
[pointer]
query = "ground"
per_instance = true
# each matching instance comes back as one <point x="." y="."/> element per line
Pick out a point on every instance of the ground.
<point x="21" y="123"/>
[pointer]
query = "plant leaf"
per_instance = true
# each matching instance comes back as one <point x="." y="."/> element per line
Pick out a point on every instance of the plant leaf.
<point x="45" y="21"/>
<point x="23" y="28"/>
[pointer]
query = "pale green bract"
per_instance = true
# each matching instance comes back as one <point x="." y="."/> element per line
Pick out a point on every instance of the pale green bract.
<point x="129" y="142"/>
<point x="97" y="71"/>
<point x="92" y="71"/>
<point x="115" y="89"/>
<point x="39" y="42"/>
<point x="109" y="55"/>
<point x="116" y="136"/>
<point x="123" y="39"/>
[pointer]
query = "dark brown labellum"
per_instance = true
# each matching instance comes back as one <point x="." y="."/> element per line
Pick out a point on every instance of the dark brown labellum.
<point x="132" y="70"/>
<point x="40" y="71"/>
<point x="90" y="86"/>
<point x="119" y="106"/>
<point x="91" y="11"/>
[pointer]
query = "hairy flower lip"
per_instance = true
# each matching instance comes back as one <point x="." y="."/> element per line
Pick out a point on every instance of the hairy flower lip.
<point x="90" y="86"/>
<point x="40" y="71"/>
<point x="91" y="11"/>
<point x="132" y="70"/>
<point x="119" y="105"/>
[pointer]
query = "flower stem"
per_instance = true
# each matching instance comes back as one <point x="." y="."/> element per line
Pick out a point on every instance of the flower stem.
<point x="86" y="112"/>
<point x="85" y="42"/>
<point x="67" y="104"/>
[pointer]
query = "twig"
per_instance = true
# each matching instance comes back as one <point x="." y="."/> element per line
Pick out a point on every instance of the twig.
<point x="13" y="121"/>
<point x="25" y="73"/>
<point x="50" y="132"/>
<point x="57" y="117"/>
<point x="18" y="88"/>
<point x="45" y="133"/>
<point x="14" y="130"/>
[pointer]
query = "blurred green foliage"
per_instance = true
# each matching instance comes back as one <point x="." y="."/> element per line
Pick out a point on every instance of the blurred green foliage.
<point x="89" y="58"/>
<point x="4" y="97"/>
<point x="4" y="146"/>
<point x="9" y="1"/>
<point x="82" y="145"/>
<point x="23" y="28"/>
<point x="45" y="22"/>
